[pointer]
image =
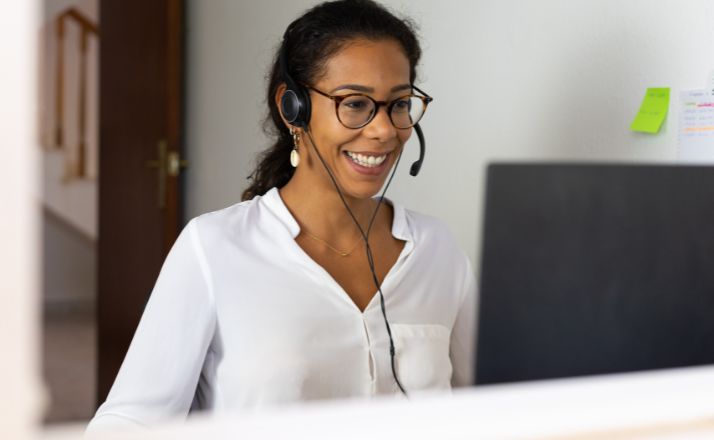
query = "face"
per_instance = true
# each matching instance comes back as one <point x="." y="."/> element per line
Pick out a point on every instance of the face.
<point x="360" y="159"/>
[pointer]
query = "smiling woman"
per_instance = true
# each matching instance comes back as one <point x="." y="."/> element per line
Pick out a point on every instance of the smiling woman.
<point x="352" y="134"/>
<point x="311" y="288"/>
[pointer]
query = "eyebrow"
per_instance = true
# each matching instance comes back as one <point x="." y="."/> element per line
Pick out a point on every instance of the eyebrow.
<point x="364" y="89"/>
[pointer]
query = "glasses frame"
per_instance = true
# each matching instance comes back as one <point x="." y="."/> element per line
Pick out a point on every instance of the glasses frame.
<point x="426" y="99"/>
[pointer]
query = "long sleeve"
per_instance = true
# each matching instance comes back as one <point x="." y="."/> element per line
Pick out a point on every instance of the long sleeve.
<point x="463" y="334"/>
<point x="160" y="372"/>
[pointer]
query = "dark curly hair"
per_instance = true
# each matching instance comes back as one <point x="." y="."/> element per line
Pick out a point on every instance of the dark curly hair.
<point x="313" y="38"/>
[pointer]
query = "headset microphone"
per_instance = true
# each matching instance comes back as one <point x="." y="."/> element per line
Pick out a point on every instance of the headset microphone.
<point x="416" y="166"/>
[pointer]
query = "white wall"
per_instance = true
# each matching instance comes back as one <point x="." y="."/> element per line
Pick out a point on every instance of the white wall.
<point x="19" y="223"/>
<point x="229" y="46"/>
<point x="512" y="80"/>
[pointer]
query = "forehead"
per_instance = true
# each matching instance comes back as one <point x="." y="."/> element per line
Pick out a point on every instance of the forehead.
<point x="379" y="64"/>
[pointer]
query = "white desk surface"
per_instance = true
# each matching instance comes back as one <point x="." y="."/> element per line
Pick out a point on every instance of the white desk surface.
<point x="665" y="404"/>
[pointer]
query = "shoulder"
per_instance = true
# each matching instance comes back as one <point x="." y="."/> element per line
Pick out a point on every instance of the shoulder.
<point x="239" y="215"/>
<point x="228" y="223"/>
<point x="432" y="236"/>
<point x="425" y="225"/>
<point x="263" y="218"/>
<point x="220" y="218"/>
<point x="426" y="229"/>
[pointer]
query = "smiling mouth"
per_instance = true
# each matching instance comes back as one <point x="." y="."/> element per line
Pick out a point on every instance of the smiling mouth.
<point x="367" y="160"/>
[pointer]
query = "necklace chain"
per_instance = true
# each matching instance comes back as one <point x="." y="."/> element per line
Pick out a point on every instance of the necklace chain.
<point x="332" y="248"/>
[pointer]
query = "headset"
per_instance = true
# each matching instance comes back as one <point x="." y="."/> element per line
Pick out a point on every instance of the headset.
<point x="295" y="106"/>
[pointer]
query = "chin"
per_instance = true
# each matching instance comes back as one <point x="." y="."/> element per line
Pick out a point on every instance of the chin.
<point x="363" y="191"/>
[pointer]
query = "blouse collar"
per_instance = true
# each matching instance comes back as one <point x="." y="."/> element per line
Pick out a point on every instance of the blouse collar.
<point x="275" y="204"/>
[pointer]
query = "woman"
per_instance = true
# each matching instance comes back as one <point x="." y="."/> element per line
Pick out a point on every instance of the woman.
<point x="310" y="288"/>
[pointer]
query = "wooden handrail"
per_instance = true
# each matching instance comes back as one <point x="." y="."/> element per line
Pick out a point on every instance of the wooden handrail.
<point x="87" y="28"/>
<point x="77" y="16"/>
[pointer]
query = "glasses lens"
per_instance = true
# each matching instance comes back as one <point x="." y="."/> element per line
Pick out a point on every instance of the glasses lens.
<point x="355" y="111"/>
<point x="407" y="111"/>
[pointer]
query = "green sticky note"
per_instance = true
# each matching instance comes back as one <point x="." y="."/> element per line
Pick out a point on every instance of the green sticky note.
<point x="652" y="111"/>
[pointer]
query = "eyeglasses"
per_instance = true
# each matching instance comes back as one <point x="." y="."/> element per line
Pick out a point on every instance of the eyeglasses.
<point x="357" y="110"/>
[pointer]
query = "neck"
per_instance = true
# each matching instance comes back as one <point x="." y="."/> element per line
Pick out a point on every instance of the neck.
<point x="320" y="211"/>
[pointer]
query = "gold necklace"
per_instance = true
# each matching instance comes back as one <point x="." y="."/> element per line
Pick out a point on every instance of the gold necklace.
<point x="333" y="249"/>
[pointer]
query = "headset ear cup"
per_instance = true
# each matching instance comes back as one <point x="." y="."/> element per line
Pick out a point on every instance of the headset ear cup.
<point x="306" y="107"/>
<point x="295" y="106"/>
<point x="290" y="106"/>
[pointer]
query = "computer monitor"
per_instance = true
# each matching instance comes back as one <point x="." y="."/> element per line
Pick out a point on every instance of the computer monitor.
<point x="594" y="269"/>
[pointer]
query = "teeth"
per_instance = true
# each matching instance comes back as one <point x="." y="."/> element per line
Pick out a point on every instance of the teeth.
<point x="367" y="161"/>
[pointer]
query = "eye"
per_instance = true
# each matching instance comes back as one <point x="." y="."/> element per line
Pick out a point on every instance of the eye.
<point x="356" y="104"/>
<point x="402" y="105"/>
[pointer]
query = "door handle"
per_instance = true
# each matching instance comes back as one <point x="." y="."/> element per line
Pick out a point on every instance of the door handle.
<point x="175" y="163"/>
<point x="167" y="164"/>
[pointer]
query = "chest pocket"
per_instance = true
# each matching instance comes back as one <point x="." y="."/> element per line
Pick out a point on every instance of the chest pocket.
<point x="422" y="359"/>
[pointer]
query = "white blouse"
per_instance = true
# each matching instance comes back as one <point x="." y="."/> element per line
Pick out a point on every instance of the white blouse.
<point x="241" y="317"/>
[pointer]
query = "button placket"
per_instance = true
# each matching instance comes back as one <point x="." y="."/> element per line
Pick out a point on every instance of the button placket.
<point x="370" y="360"/>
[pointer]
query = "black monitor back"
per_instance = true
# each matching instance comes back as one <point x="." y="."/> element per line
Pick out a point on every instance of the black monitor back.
<point x="594" y="269"/>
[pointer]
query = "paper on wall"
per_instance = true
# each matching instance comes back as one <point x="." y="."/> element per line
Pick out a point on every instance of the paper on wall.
<point x="696" y="127"/>
<point x="653" y="111"/>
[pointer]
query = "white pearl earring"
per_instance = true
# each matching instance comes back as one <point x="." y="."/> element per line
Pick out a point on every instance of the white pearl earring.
<point x="294" y="155"/>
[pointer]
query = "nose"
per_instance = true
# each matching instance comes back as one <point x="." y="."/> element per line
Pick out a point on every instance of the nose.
<point x="381" y="126"/>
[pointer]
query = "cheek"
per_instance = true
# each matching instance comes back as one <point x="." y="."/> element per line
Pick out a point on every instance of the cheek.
<point x="332" y="138"/>
<point x="404" y="135"/>
<point x="326" y="129"/>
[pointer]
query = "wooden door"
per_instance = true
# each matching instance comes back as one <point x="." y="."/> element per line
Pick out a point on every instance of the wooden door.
<point x="140" y="138"/>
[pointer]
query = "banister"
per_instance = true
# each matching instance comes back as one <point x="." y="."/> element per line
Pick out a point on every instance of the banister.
<point x="88" y="28"/>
